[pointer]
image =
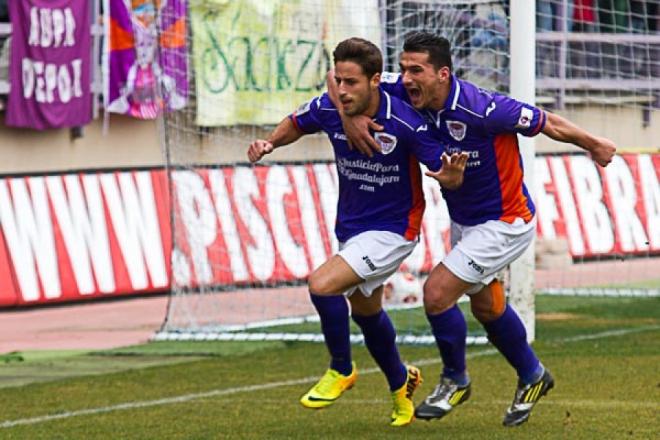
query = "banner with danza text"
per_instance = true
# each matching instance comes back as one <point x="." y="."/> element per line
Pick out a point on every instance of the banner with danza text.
<point x="256" y="61"/>
<point x="50" y="64"/>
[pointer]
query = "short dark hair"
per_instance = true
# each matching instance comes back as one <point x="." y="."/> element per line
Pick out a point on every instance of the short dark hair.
<point x="362" y="52"/>
<point x="438" y="48"/>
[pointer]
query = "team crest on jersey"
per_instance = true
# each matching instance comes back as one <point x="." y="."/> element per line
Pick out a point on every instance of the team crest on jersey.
<point x="457" y="129"/>
<point x="386" y="141"/>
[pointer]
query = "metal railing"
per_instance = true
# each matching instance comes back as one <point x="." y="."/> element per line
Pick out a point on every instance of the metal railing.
<point x="633" y="78"/>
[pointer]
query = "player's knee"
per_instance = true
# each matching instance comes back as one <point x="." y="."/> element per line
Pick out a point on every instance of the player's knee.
<point x="434" y="301"/>
<point x="320" y="284"/>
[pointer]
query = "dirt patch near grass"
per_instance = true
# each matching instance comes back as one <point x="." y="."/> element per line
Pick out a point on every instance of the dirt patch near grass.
<point x="558" y="316"/>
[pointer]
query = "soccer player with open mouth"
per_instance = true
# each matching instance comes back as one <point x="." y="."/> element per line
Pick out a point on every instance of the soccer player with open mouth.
<point x="492" y="214"/>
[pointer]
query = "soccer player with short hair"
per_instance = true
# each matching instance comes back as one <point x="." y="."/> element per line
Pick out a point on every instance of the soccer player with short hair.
<point x="379" y="216"/>
<point x="492" y="214"/>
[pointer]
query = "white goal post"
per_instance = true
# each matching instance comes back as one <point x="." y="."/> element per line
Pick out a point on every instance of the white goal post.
<point x="522" y="86"/>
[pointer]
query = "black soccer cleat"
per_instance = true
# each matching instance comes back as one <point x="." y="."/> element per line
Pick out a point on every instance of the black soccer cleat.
<point x="525" y="398"/>
<point x="446" y="395"/>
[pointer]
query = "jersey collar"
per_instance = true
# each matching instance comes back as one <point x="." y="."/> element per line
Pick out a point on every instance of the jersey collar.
<point x="450" y="103"/>
<point x="385" y="106"/>
<point x="452" y="98"/>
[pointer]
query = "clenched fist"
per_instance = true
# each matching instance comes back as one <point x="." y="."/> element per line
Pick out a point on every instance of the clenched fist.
<point x="259" y="149"/>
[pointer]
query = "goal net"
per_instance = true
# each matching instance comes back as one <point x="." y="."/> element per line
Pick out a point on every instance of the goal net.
<point x="599" y="65"/>
<point x="244" y="237"/>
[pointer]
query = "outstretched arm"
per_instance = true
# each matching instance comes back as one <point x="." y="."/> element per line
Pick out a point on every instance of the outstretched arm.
<point x="285" y="133"/>
<point x="355" y="127"/>
<point x="560" y="129"/>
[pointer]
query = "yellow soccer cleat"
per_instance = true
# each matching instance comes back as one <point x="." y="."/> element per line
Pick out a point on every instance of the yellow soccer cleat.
<point x="404" y="408"/>
<point x="331" y="386"/>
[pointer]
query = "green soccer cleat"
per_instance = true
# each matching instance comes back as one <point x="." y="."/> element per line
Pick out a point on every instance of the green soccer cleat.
<point x="404" y="409"/>
<point x="331" y="386"/>
<point x="525" y="398"/>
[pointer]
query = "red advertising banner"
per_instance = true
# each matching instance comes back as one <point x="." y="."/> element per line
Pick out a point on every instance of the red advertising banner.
<point x="610" y="211"/>
<point x="87" y="235"/>
<point x="75" y="236"/>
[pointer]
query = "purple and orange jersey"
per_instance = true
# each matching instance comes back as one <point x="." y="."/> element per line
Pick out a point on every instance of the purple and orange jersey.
<point x="484" y="124"/>
<point x="384" y="192"/>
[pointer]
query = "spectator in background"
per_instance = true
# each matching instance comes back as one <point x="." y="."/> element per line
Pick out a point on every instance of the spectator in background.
<point x="544" y="15"/>
<point x="640" y="16"/>
<point x="5" y="53"/>
<point x="489" y="36"/>
<point x="638" y="22"/>
<point x="4" y="11"/>
<point x="5" y="42"/>
<point x="613" y="15"/>
<point x="653" y="11"/>
<point x="643" y="14"/>
<point x="584" y="16"/>
<point x="550" y="14"/>
<point x="584" y="56"/>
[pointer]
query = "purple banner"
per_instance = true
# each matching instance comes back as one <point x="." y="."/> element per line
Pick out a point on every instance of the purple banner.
<point x="144" y="81"/>
<point x="49" y="71"/>
<point x="173" y="54"/>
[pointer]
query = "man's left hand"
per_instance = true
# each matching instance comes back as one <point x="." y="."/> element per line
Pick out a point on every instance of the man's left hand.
<point x="603" y="151"/>
<point x="450" y="175"/>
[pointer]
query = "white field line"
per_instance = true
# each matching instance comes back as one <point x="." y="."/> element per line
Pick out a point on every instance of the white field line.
<point x="582" y="403"/>
<point x="265" y="386"/>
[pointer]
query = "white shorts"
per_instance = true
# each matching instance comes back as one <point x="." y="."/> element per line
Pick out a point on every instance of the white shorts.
<point x="374" y="256"/>
<point x="479" y="252"/>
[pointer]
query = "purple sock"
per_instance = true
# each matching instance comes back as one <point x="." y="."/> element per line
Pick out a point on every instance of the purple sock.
<point x="333" y="311"/>
<point x="450" y="331"/>
<point x="507" y="333"/>
<point x="380" y="339"/>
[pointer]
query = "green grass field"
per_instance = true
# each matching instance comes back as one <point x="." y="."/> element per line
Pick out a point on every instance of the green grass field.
<point x="604" y="353"/>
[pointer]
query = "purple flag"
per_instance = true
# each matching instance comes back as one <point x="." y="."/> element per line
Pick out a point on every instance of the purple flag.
<point x="173" y="55"/>
<point x="144" y="81"/>
<point x="49" y="71"/>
